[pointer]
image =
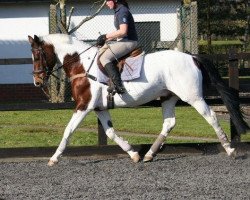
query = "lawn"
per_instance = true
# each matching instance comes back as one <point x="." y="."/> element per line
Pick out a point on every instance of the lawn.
<point x="221" y="42"/>
<point x="41" y="128"/>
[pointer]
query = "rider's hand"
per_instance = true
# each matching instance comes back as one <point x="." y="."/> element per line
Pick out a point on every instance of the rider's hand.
<point x="101" y="40"/>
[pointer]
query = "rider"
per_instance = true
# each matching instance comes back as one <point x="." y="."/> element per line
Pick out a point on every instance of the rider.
<point x="126" y="40"/>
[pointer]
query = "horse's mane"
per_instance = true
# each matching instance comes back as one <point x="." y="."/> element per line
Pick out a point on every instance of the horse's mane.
<point x="57" y="38"/>
<point x="66" y="45"/>
<point x="63" y="39"/>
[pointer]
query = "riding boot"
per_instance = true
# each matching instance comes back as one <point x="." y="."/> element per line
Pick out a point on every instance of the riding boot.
<point x="115" y="76"/>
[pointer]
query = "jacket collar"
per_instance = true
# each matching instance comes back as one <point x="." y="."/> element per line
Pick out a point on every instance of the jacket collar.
<point x="118" y="7"/>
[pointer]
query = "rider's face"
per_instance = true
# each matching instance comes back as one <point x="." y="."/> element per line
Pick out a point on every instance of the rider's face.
<point x="110" y="4"/>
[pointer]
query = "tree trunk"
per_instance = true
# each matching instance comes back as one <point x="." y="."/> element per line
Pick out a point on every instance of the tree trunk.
<point x="209" y="40"/>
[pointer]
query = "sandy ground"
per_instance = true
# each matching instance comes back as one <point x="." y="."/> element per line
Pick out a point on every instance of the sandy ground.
<point x="116" y="177"/>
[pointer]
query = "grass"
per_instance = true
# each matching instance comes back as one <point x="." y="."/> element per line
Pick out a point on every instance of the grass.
<point x="43" y="128"/>
<point x="221" y="42"/>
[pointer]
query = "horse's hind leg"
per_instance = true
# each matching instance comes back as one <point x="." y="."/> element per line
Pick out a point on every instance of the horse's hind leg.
<point x="105" y="119"/>
<point x="210" y="116"/>
<point x="168" y="112"/>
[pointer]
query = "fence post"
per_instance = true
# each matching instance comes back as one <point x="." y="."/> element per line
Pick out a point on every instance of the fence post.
<point x="179" y="43"/>
<point x="234" y="83"/>
<point x="102" y="138"/>
<point x="194" y="28"/>
<point x="52" y="19"/>
<point x="53" y="29"/>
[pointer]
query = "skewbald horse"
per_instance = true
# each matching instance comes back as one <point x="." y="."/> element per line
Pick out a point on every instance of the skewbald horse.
<point x="169" y="75"/>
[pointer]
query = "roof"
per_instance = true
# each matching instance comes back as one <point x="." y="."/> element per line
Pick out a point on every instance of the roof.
<point x="31" y="1"/>
<point x="23" y="1"/>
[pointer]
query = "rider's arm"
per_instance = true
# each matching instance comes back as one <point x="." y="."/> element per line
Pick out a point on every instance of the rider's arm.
<point x="120" y="33"/>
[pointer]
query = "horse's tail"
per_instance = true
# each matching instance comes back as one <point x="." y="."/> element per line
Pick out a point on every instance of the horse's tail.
<point x="228" y="95"/>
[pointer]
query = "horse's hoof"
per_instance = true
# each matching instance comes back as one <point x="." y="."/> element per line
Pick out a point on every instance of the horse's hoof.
<point x="230" y="151"/>
<point x="148" y="158"/>
<point x="136" y="157"/>
<point x="52" y="163"/>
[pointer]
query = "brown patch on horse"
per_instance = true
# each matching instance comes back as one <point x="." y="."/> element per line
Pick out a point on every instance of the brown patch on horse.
<point x="121" y="60"/>
<point x="80" y="86"/>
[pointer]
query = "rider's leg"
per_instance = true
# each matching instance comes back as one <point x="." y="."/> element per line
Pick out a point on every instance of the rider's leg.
<point x="109" y="55"/>
<point x="114" y="74"/>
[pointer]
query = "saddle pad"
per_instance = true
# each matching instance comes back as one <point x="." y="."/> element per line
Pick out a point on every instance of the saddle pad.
<point x="131" y="69"/>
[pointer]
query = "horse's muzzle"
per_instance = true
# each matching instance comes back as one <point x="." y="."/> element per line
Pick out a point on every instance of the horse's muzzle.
<point x="38" y="82"/>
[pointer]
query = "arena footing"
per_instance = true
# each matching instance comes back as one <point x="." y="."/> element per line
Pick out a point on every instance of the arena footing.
<point x="187" y="148"/>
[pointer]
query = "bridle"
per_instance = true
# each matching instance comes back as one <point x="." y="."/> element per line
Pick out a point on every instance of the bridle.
<point x="43" y="67"/>
<point x="39" y="55"/>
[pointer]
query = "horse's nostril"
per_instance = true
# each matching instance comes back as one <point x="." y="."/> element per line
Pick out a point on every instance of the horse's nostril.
<point x="38" y="84"/>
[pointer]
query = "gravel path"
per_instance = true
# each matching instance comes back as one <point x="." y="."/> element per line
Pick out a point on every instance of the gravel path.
<point x="168" y="177"/>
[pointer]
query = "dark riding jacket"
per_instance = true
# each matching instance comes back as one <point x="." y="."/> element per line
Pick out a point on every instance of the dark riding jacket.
<point x="123" y="16"/>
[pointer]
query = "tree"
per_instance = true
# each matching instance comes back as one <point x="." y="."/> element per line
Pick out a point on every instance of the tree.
<point x="225" y="18"/>
<point x="60" y="89"/>
<point x="64" y="25"/>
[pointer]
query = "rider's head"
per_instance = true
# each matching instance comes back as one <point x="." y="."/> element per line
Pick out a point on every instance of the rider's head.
<point x="112" y="4"/>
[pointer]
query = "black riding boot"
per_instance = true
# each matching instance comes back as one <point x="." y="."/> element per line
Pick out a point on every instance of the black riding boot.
<point x="115" y="76"/>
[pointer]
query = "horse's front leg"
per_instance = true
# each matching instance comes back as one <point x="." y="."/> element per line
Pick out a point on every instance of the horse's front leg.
<point x="76" y="119"/>
<point x="105" y="119"/>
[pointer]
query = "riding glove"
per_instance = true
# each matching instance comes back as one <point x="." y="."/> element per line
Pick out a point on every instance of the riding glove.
<point x="101" y="40"/>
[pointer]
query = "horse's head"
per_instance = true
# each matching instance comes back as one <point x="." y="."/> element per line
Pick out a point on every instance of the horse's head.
<point x="44" y="59"/>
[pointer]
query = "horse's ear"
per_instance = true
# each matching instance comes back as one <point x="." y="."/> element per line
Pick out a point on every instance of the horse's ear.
<point x="36" y="39"/>
<point x="31" y="40"/>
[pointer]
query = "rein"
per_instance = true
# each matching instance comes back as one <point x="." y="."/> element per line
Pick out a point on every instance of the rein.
<point x="78" y="75"/>
<point x="77" y="55"/>
<point x="86" y="74"/>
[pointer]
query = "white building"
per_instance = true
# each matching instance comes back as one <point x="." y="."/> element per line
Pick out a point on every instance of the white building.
<point x="20" y="18"/>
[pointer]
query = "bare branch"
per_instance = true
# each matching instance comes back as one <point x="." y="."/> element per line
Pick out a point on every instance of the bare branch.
<point x="88" y="18"/>
<point x="70" y="14"/>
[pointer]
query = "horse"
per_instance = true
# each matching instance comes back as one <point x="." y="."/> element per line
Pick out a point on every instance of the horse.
<point x="169" y="75"/>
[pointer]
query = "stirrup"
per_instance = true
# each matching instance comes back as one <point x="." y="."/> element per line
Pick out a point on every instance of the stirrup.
<point x="111" y="89"/>
<point x="114" y="88"/>
<point x="120" y="89"/>
<point x="110" y="97"/>
<point x="110" y="101"/>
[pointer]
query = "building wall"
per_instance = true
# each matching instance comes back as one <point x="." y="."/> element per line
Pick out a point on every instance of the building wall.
<point x="143" y="11"/>
<point x="17" y="21"/>
<point x="20" y="92"/>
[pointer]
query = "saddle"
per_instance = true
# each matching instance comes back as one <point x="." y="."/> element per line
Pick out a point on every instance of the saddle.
<point x="121" y="61"/>
<point x="120" y="64"/>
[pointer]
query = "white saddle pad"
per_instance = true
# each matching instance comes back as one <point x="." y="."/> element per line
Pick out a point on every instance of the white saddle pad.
<point x="131" y="69"/>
